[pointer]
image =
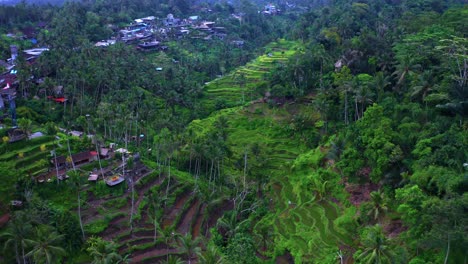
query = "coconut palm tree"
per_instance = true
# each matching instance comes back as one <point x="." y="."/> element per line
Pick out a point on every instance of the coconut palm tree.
<point x="76" y="185"/>
<point x="379" y="207"/>
<point x="46" y="245"/>
<point x="19" y="228"/>
<point x="189" y="246"/>
<point x="230" y="223"/>
<point x="168" y="235"/>
<point x="376" y="249"/>
<point x="173" y="260"/>
<point x="380" y="83"/>
<point x="211" y="255"/>
<point x="155" y="203"/>
<point x="425" y="85"/>
<point x="405" y="68"/>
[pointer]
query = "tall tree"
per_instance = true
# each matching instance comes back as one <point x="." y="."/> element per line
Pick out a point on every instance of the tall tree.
<point x="76" y="185"/>
<point x="46" y="245"/>
<point x="376" y="248"/>
<point x="19" y="229"/>
<point x="189" y="246"/>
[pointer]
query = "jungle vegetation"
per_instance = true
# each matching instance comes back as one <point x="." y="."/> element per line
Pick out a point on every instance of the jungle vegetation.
<point x="337" y="133"/>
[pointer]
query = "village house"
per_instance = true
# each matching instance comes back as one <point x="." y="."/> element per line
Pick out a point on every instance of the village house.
<point x="78" y="159"/>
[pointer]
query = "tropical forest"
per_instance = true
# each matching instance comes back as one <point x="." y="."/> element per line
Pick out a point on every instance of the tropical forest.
<point x="234" y="131"/>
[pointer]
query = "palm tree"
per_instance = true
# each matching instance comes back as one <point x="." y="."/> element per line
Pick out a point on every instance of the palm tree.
<point x="320" y="187"/>
<point x="211" y="256"/>
<point x="173" y="260"/>
<point x="425" y="85"/>
<point x="155" y="202"/>
<point x="362" y="97"/>
<point x="102" y="251"/>
<point x="379" y="207"/>
<point x="405" y="68"/>
<point x="189" y="246"/>
<point x="75" y="183"/>
<point x="376" y="249"/>
<point x="380" y="83"/>
<point x="230" y="223"/>
<point x="17" y="231"/>
<point x="46" y="246"/>
<point x="168" y="236"/>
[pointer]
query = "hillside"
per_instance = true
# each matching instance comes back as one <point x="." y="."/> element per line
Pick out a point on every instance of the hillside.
<point x="163" y="132"/>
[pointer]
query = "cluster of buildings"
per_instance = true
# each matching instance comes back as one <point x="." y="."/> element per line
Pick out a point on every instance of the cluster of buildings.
<point x="149" y="33"/>
<point x="9" y="77"/>
<point x="270" y="9"/>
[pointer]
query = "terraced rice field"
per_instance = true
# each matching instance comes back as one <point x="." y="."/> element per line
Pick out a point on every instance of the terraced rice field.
<point x="27" y="155"/>
<point x="303" y="223"/>
<point x="239" y="86"/>
<point x="184" y="212"/>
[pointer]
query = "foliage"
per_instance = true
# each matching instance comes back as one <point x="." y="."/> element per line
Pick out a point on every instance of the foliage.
<point x="384" y="81"/>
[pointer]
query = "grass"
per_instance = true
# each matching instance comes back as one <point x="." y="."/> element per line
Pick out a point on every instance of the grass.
<point x="239" y="86"/>
<point x="304" y="226"/>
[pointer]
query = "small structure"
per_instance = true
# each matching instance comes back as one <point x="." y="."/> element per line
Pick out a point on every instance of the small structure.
<point x="16" y="203"/>
<point x="93" y="177"/>
<point x="75" y="133"/>
<point x="35" y="52"/>
<point x="16" y="134"/>
<point x="114" y="180"/>
<point x="193" y="18"/>
<point x="36" y="135"/>
<point x="105" y="43"/>
<point x="122" y="151"/>
<point x="270" y="9"/>
<point x="106" y="153"/>
<point x="238" y="43"/>
<point x="78" y="159"/>
<point x="148" y="19"/>
<point x="149" y="45"/>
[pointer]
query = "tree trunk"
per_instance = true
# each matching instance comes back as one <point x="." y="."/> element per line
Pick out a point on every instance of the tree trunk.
<point x="133" y="202"/>
<point x="448" y="249"/>
<point x="17" y="254"/>
<point x="155" y="223"/>
<point x="79" y="215"/>
<point x="245" y="169"/>
<point x="346" y="108"/>
<point x="23" y="255"/>
<point x="169" y="178"/>
<point x="69" y="153"/>
<point x="56" y="166"/>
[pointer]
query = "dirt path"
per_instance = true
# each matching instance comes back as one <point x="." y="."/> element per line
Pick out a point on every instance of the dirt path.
<point x="116" y="226"/>
<point x="198" y="223"/>
<point x="188" y="218"/>
<point x="140" y="256"/>
<point x="174" y="211"/>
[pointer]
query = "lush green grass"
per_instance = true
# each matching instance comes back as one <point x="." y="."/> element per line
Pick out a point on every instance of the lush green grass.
<point x="304" y="225"/>
<point x="239" y="86"/>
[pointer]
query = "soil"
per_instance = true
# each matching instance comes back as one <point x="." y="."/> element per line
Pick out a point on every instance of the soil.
<point x="227" y="205"/>
<point x="360" y="192"/>
<point x="4" y="219"/>
<point x="137" y="258"/>
<point x="188" y="218"/>
<point x="394" y="228"/>
<point x="285" y="259"/>
<point x="175" y="210"/>
<point x="192" y="219"/>
<point x="198" y="223"/>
